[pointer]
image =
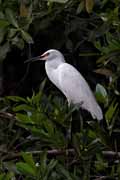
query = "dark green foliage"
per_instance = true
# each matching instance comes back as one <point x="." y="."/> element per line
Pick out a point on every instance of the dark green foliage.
<point x="13" y="27"/>
<point x="33" y="130"/>
<point x="41" y="134"/>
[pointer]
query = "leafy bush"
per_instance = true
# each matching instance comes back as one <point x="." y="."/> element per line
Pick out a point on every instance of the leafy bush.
<point x="39" y="130"/>
<point x="33" y="142"/>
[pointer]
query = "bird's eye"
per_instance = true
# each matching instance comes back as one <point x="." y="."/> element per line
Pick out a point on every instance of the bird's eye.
<point x="45" y="55"/>
<point x="48" y="54"/>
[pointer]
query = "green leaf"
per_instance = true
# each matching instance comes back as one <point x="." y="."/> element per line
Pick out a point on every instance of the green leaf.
<point x="29" y="160"/>
<point x="110" y="112"/>
<point x="24" y="118"/>
<point x="49" y="127"/>
<point x="9" y="176"/>
<point x="22" y="107"/>
<point x="24" y="10"/>
<point x="2" y="176"/>
<point x="10" y="166"/>
<point x="12" y="32"/>
<point x="92" y="148"/>
<point x="25" y="168"/>
<point x="16" y="99"/>
<point x="118" y="170"/>
<point x="100" y="163"/>
<point x="58" y="1"/>
<point x="4" y="49"/>
<point x="89" y="5"/>
<point x="2" y="34"/>
<point x="3" y="23"/>
<point x="18" y="42"/>
<point x="27" y="37"/>
<point x="80" y="7"/>
<point x="101" y="134"/>
<point x="11" y="18"/>
<point x="51" y="165"/>
<point x="2" y="16"/>
<point x="101" y="94"/>
<point x="42" y="85"/>
<point x="36" y="98"/>
<point x="64" y="172"/>
<point x="43" y="160"/>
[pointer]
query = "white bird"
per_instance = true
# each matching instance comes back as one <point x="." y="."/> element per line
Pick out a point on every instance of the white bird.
<point x="69" y="80"/>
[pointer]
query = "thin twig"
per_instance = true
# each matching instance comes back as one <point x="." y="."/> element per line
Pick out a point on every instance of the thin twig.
<point x="101" y="177"/>
<point x="111" y="154"/>
<point x="7" y="115"/>
<point x="56" y="152"/>
<point x="53" y="152"/>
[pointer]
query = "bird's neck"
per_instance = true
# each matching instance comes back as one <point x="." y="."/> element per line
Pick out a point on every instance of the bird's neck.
<point x="54" y="63"/>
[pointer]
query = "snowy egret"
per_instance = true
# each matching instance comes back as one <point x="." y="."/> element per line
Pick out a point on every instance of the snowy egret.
<point x="69" y="80"/>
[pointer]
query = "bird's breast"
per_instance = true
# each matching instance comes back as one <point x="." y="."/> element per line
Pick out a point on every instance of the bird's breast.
<point x="53" y="75"/>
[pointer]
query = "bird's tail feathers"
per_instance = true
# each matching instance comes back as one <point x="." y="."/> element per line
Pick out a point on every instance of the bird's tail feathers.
<point x="97" y="113"/>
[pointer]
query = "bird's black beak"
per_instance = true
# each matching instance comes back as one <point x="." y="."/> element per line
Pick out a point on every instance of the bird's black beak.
<point x="42" y="57"/>
<point x="33" y="59"/>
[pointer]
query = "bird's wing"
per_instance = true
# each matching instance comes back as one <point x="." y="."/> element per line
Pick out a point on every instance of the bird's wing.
<point x="72" y="83"/>
<point x="76" y="89"/>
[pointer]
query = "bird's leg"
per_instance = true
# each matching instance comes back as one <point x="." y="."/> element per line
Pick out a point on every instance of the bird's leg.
<point x="80" y="115"/>
<point x="69" y="131"/>
<point x="81" y="120"/>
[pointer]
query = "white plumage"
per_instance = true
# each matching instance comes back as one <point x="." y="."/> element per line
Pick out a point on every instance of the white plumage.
<point x="72" y="84"/>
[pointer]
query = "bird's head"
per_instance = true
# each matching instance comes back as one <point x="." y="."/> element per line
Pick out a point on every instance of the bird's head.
<point x="51" y="54"/>
<point x="48" y="56"/>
